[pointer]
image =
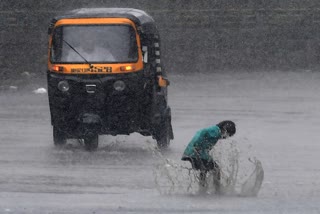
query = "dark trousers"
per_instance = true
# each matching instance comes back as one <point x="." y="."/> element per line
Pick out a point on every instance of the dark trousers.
<point x="205" y="166"/>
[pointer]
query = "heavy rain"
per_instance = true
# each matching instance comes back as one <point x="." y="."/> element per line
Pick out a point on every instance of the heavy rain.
<point x="253" y="62"/>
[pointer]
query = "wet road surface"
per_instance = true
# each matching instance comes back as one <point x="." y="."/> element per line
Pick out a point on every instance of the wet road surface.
<point x="277" y="115"/>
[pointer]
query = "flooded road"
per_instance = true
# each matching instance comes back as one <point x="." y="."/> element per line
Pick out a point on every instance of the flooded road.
<point x="277" y="116"/>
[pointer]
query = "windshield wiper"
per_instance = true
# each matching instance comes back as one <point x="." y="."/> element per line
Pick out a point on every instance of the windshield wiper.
<point x="90" y="65"/>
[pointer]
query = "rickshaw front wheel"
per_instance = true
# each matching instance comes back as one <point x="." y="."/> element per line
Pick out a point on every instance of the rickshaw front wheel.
<point x="59" y="137"/>
<point x="91" y="142"/>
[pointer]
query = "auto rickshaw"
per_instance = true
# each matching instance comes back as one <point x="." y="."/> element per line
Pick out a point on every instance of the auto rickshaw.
<point x="105" y="76"/>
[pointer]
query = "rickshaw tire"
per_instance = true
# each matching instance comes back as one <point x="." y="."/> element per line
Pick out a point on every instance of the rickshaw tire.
<point x="163" y="140"/>
<point x="59" y="138"/>
<point x="91" y="142"/>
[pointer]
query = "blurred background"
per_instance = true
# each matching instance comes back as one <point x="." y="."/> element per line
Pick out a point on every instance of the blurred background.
<point x="197" y="36"/>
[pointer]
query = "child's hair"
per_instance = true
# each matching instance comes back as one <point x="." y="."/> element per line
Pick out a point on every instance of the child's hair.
<point x="228" y="126"/>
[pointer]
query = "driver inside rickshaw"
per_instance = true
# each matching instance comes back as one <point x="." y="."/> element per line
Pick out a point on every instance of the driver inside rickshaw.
<point x="94" y="44"/>
<point x="91" y="49"/>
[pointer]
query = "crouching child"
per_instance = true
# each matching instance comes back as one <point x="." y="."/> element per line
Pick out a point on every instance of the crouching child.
<point x="197" y="151"/>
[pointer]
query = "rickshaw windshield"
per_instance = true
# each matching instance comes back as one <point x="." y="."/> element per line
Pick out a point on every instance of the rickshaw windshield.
<point x="94" y="44"/>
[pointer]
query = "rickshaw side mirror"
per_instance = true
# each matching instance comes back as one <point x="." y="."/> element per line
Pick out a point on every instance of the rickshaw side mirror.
<point x="163" y="82"/>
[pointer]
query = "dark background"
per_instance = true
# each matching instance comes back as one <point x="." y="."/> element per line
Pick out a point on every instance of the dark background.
<point x="197" y="36"/>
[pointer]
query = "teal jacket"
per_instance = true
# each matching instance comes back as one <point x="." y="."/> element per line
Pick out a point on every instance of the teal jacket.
<point x="202" y="143"/>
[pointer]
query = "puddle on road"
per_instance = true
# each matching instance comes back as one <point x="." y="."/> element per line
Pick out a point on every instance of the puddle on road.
<point x="241" y="175"/>
<point x="112" y="151"/>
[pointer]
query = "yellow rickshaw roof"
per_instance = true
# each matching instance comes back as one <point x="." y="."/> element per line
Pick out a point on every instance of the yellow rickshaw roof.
<point x="139" y="17"/>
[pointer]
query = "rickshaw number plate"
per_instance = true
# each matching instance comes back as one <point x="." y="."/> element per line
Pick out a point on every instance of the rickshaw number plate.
<point x="92" y="70"/>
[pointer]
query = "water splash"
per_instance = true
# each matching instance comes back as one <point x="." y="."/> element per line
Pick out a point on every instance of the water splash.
<point x="173" y="178"/>
<point x="179" y="178"/>
<point x="253" y="184"/>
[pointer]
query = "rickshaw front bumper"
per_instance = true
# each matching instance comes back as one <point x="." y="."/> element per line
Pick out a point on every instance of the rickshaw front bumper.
<point x="105" y="104"/>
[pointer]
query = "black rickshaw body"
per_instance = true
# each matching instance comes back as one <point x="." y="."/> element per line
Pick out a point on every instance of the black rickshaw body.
<point x="110" y="96"/>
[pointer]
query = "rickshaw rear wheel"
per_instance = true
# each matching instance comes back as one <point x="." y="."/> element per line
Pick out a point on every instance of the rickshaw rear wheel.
<point x="59" y="138"/>
<point x="163" y="140"/>
<point x="91" y="142"/>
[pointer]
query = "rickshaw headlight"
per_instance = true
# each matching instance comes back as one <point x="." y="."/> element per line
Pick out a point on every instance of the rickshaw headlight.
<point x="63" y="86"/>
<point x="119" y="85"/>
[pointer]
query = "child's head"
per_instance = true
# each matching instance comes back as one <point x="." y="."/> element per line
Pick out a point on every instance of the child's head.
<point x="227" y="127"/>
